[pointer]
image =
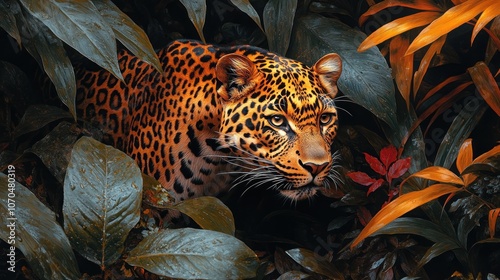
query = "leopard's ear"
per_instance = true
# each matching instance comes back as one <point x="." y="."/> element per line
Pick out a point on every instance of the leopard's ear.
<point x="328" y="69"/>
<point x="238" y="75"/>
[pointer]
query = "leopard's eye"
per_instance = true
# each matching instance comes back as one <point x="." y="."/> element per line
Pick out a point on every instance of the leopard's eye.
<point x="277" y="120"/>
<point x="325" y="118"/>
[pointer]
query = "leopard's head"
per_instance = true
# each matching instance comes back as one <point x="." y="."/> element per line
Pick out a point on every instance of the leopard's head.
<point x="279" y="120"/>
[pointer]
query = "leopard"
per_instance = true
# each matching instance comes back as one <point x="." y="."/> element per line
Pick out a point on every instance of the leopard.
<point x="220" y="116"/>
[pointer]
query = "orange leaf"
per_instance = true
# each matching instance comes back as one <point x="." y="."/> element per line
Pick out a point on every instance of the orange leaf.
<point x="402" y="66"/>
<point x="492" y="220"/>
<point x="424" y="5"/>
<point x="397" y="27"/>
<point x="441" y="85"/>
<point x="437" y="173"/>
<point x="426" y="60"/>
<point x="450" y="20"/>
<point x="493" y="152"/>
<point x="490" y="13"/>
<point x="486" y="84"/>
<point x="464" y="157"/>
<point x="492" y="47"/>
<point x="401" y="206"/>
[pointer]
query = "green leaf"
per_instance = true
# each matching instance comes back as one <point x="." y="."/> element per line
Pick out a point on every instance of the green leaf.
<point x="197" y="10"/>
<point x="31" y="227"/>
<point x="79" y="24"/>
<point x="278" y="22"/>
<point x="209" y="213"/>
<point x="194" y="254"/>
<point x="60" y="139"/>
<point x="365" y="79"/>
<point x="49" y="51"/>
<point x="247" y="8"/>
<point x="312" y="262"/>
<point x="459" y="130"/>
<point x="8" y="9"/>
<point x="435" y="250"/>
<point x="38" y="116"/>
<point x="128" y="33"/>
<point x="416" y="226"/>
<point x="102" y="200"/>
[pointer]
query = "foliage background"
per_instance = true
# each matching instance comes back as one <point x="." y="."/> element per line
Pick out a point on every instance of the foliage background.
<point x="444" y="91"/>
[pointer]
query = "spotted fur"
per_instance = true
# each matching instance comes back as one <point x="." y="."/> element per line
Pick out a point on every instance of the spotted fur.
<point x="219" y="117"/>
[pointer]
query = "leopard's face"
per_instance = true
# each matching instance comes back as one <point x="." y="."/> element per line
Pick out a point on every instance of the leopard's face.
<point x="279" y="119"/>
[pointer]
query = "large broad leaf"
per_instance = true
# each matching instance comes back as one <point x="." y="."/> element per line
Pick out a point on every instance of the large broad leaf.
<point x="128" y="33"/>
<point x="278" y="22"/>
<point x="366" y="78"/>
<point x="459" y="130"/>
<point x="310" y="260"/>
<point x="31" y="227"/>
<point x="197" y="10"/>
<point x="102" y="199"/>
<point x="80" y="25"/>
<point x="209" y="213"/>
<point x="194" y="254"/>
<point x="402" y="205"/>
<point x="49" y="52"/>
<point x="8" y="8"/>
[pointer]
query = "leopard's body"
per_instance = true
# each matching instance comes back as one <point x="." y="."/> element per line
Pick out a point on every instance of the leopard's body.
<point x="217" y="113"/>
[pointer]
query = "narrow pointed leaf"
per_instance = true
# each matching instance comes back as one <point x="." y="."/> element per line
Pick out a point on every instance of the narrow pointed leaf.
<point x="197" y="10"/>
<point x="424" y="5"/>
<point x="102" y="200"/>
<point x="489" y="14"/>
<point x="486" y="85"/>
<point x="437" y="249"/>
<point x="209" y="213"/>
<point x="309" y="260"/>
<point x="31" y="227"/>
<point x="37" y="116"/>
<point x="402" y="205"/>
<point x="492" y="220"/>
<point x="396" y="27"/>
<point x="434" y="48"/>
<point x="278" y="22"/>
<point x="194" y="254"/>
<point x="49" y="51"/>
<point x="246" y="7"/>
<point x="493" y="152"/>
<point x="464" y="157"/>
<point x="402" y="66"/>
<point x="440" y="174"/>
<point x="416" y="226"/>
<point x="451" y="19"/>
<point x="79" y="24"/>
<point x="377" y="184"/>
<point x="8" y="9"/>
<point x="128" y="33"/>
<point x="375" y="164"/>
<point x="492" y="47"/>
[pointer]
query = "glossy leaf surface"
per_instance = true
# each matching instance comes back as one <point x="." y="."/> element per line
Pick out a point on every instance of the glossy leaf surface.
<point x="102" y="200"/>
<point x="246" y="7"/>
<point x="309" y="260"/>
<point x="278" y="17"/>
<point x="197" y="10"/>
<point x="486" y="85"/>
<point x="189" y="253"/>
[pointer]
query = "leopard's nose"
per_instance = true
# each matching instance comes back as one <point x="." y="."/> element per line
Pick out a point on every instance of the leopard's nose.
<point x="314" y="168"/>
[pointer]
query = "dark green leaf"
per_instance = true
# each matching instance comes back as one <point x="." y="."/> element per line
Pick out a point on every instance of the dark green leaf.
<point x="49" y="51"/>
<point x="459" y="130"/>
<point x="490" y="165"/>
<point x="247" y="8"/>
<point x="79" y="24"/>
<point x="209" y="213"/>
<point x="278" y="22"/>
<point x="437" y="249"/>
<point x="38" y="116"/>
<point x="128" y="33"/>
<point x="102" y="199"/>
<point x="194" y="254"/>
<point x="35" y="230"/>
<point x="366" y="78"/>
<point x="197" y="10"/>
<point x="314" y="263"/>
<point x="8" y="9"/>
<point x="60" y="139"/>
